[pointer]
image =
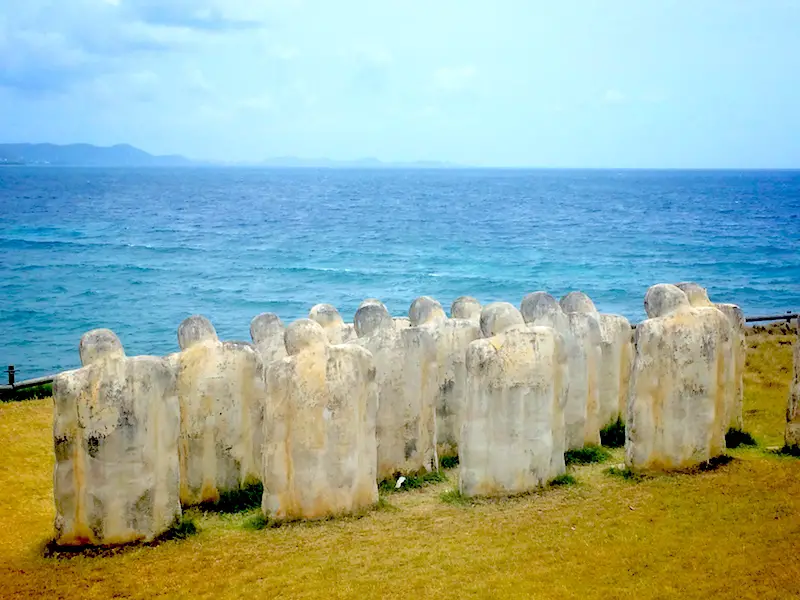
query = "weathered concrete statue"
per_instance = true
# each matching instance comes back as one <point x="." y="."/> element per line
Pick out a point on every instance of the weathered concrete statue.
<point x="320" y="454"/>
<point x="406" y="377"/>
<point x="580" y="336"/>
<point x="266" y="331"/>
<point x="336" y="330"/>
<point x="451" y="337"/>
<point x="222" y="393"/>
<point x="681" y="382"/>
<point x="466" y="307"/>
<point x="616" y="357"/>
<point x="115" y="431"/>
<point x="698" y="297"/>
<point x="513" y="435"/>
<point x="793" y="409"/>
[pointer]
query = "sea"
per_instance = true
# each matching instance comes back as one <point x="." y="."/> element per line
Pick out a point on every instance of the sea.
<point x="138" y="250"/>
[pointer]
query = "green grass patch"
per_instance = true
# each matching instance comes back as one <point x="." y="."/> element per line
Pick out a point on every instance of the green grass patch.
<point x="586" y="455"/>
<point x="736" y="437"/>
<point x="565" y="479"/>
<point x="613" y="434"/>
<point x="449" y="462"/>
<point x="454" y="497"/>
<point x="411" y="482"/>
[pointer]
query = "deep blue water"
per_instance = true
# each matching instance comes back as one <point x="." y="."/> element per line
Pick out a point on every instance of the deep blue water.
<point x="139" y="250"/>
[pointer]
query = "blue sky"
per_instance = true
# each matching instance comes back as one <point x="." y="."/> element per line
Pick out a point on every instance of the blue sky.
<point x="574" y="83"/>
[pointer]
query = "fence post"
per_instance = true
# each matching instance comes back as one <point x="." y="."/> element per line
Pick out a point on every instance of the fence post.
<point x="11" y="374"/>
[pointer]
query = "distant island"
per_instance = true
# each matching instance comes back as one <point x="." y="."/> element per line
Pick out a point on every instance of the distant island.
<point x="85" y="155"/>
<point x="125" y="155"/>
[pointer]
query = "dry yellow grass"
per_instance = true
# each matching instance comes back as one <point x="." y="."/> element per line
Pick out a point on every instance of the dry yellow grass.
<point x="730" y="533"/>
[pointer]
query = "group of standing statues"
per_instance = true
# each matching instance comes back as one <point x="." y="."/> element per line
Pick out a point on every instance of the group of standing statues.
<point x="321" y="410"/>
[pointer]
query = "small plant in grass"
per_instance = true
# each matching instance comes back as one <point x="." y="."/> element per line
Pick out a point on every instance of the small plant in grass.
<point x="258" y="521"/>
<point x="613" y="434"/>
<point x="183" y="529"/>
<point x="411" y="481"/>
<point x="564" y="479"/>
<point x="586" y="455"/>
<point x="454" y="497"/>
<point x="448" y="462"/>
<point x="736" y="437"/>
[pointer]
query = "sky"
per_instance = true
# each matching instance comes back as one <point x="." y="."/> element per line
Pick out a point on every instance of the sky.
<point x="574" y="83"/>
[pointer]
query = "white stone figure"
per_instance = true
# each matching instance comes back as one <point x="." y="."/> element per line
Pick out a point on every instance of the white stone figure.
<point x="513" y="434"/>
<point x="616" y="363"/>
<point x="792" y="437"/>
<point x="115" y="432"/>
<point x="426" y="311"/>
<point x="320" y="455"/>
<point x="616" y="357"/>
<point x="266" y="331"/>
<point x="337" y="331"/>
<point x="452" y="337"/>
<point x="222" y="393"/>
<point x="698" y="297"/>
<point x="406" y="377"/>
<point x="581" y="417"/>
<point x="466" y="307"/>
<point x="681" y="382"/>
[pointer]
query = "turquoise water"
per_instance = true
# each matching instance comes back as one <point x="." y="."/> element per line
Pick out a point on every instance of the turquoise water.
<point x="139" y="250"/>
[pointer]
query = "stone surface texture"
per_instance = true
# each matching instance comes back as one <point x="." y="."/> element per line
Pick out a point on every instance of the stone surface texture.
<point x="222" y="392"/>
<point x="320" y="455"/>
<point x="336" y="330"/>
<point x="681" y="383"/>
<point x="266" y="331"/>
<point x="466" y="307"/>
<point x="513" y="435"/>
<point x="406" y="378"/>
<point x="115" y="430"/>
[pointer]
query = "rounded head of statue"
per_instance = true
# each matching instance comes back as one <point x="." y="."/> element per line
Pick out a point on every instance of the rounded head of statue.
<point x="195" y="329"/>
<point x="577" y="302"/>
<point x="265" y="326"/>
<point x="371" y="318"/>
<point x="697" y="294"/>
<point x="466" y="307"/>
<point x="664" y="298"/>
<point x="98" y="345"/>
<point x="425" y="310"/>
<point x="497" y="317"/>
<point x="325" y="314"/>
<point x="304" y="334"/>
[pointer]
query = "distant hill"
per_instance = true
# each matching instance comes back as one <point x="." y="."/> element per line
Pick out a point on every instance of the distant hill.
<point x="85" y="155"/>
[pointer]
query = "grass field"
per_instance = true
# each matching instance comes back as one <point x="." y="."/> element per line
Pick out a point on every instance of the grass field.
<point x="733" y="532"/>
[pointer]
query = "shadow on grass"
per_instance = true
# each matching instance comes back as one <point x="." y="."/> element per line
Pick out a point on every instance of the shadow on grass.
<point x="183" y="529"/>
<point x="710" y="465"/>
<point x="793" y="451"/>
<point x="734" y="438"/>
<point x="613" y="434"/>
<point x="236" y="501"/>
